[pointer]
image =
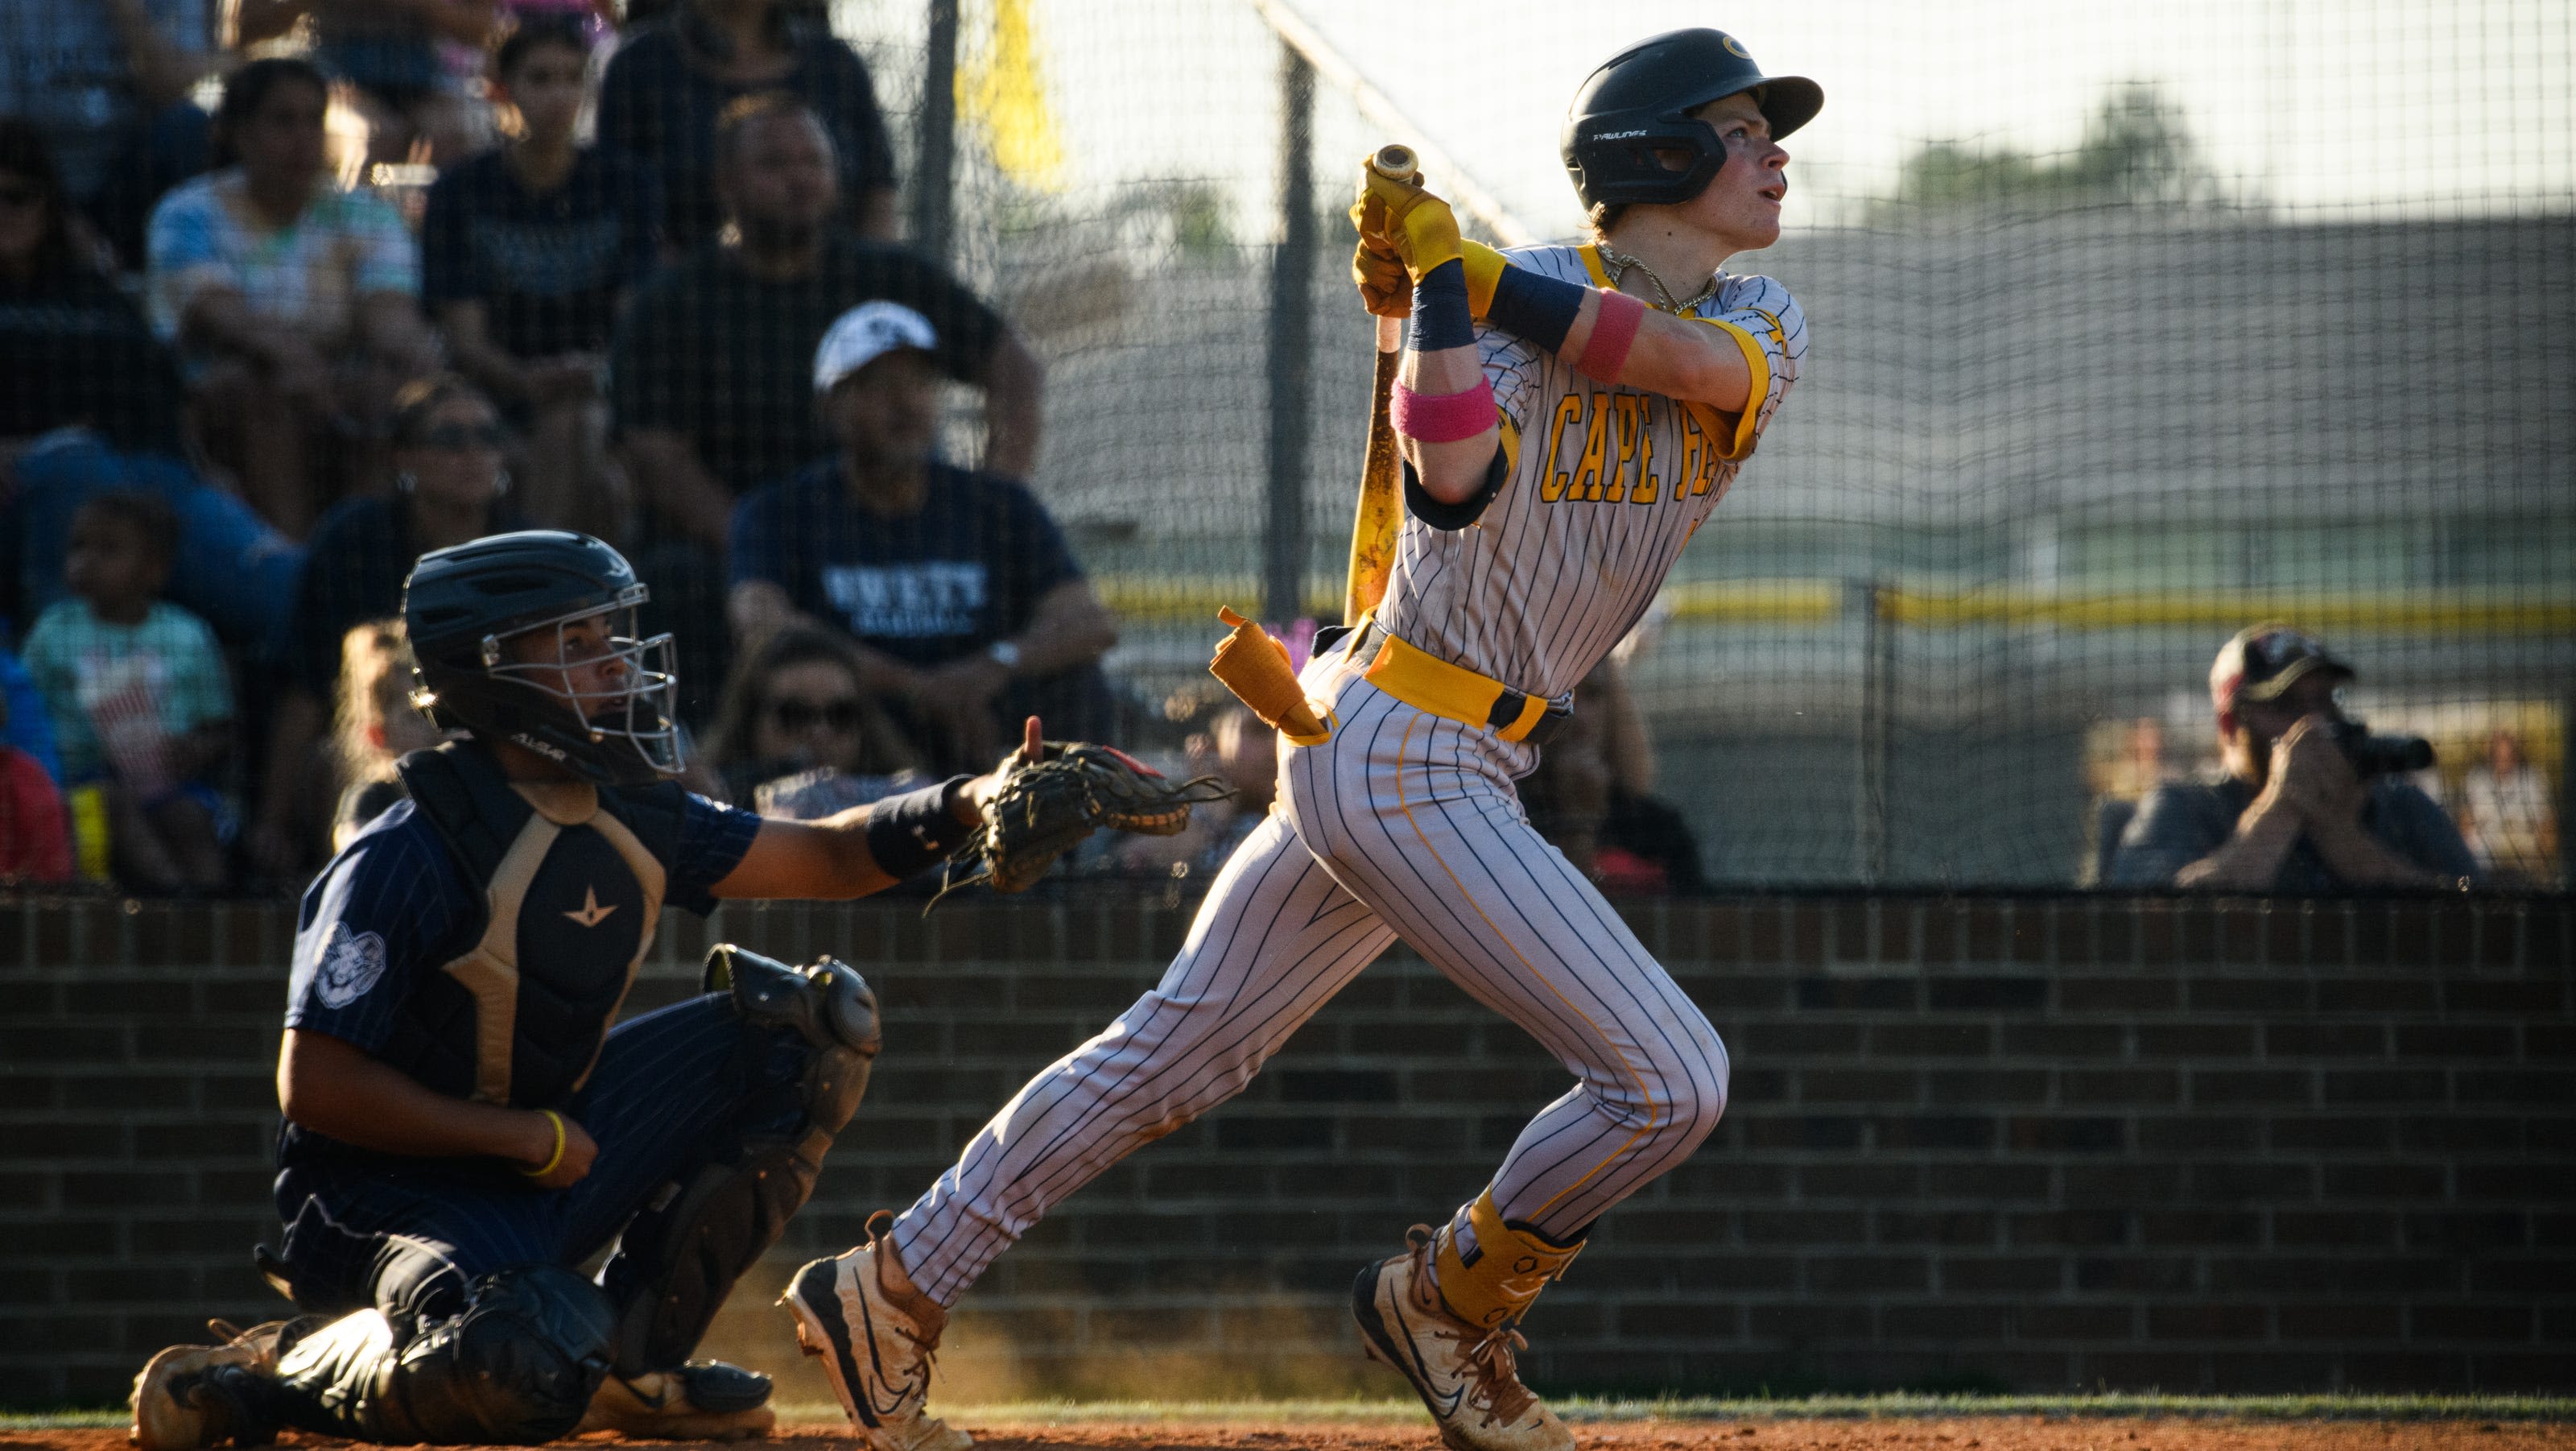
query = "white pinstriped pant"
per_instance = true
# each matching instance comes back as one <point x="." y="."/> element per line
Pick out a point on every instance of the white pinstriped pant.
<point x="1402" y="824"/>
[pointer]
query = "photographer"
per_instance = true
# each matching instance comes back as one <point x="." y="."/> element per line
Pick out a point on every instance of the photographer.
<point x="2310" y="802"/>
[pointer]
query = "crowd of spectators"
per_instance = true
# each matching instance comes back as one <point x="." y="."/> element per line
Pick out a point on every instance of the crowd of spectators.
<point x="294" y="290"/>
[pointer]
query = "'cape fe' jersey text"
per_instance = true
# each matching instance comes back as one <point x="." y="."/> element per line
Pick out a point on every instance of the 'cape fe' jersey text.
<point x="1604" y="486"/>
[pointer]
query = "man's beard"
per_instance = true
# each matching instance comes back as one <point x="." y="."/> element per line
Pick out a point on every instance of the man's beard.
<point x="779" y="234"/>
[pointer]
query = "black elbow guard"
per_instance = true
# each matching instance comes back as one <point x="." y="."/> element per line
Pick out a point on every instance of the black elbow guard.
<point x="1449" y="517"/>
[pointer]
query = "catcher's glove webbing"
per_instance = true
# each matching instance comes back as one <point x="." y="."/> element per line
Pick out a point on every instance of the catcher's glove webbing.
<point x="1044" y="808"/>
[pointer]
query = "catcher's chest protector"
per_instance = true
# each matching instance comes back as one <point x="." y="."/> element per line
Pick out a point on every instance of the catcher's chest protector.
<point x="571" y="880"/>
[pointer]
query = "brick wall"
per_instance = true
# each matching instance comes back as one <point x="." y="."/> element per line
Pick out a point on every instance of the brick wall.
<point x="2033" y="1144"/>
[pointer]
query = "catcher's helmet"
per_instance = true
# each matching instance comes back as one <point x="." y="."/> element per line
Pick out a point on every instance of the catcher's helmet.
<point x="463" y="603"/>
<point x="1639" y="101"/>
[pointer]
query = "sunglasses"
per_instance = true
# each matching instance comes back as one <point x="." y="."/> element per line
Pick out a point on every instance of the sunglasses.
<point x="454" y="437"/>
<point x="799" y="715"/>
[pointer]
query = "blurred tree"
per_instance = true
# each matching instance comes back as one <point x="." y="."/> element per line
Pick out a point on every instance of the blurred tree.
<point x="2135" y="149"/>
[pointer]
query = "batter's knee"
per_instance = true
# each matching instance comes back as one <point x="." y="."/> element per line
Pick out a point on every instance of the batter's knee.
<point x="1693" y="1071"/>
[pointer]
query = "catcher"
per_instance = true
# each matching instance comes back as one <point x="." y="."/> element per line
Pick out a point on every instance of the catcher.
<point x="463" y="1126"/>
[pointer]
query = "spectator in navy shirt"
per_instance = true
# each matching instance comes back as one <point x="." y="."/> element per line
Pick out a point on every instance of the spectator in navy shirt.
<point x="674" y="77"/>
<point x="527" y="255"/>
<point x="708" y="375"/>
<point x="967" y="605"/>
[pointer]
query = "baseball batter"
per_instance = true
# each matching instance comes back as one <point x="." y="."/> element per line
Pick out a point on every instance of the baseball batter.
<point x="1568" y="416"/>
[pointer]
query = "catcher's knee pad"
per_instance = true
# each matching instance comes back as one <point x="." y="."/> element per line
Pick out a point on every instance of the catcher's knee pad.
<point x="828" y="1005"/>
<point x="518" y="1366"/>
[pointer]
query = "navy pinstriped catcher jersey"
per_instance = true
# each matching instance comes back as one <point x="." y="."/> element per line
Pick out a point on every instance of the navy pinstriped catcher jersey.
<point x="1605" y="485"/>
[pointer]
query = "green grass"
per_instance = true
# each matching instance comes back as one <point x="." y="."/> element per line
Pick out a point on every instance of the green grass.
<point x="1898" y="1405"/>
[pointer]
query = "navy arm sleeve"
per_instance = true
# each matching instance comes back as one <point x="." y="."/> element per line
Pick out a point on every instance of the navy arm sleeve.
<point x="384" y="913"/>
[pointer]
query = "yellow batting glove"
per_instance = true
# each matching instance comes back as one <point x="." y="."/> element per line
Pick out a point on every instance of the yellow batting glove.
<point x="1418" y="225"/>
<point x="1385" y="287"/>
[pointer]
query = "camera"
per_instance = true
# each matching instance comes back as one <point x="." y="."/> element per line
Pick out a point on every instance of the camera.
<point x="2381" y="755"/>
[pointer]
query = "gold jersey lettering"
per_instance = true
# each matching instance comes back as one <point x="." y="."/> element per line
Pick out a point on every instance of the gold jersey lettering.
<point x="1552" y="480"/>
<point x="1586" y="484"/>
<point x="1631" y="413"/>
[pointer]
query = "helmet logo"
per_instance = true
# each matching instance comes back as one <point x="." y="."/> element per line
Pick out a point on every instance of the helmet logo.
<point x="1618" y="135"/>
<point x="1732" y="48"/>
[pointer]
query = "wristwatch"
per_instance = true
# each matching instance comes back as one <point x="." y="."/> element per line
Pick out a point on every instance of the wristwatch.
<point x="1004" y="654"/>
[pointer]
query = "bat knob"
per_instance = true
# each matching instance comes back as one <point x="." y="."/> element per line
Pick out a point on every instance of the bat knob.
<point x="1394" y="161"/>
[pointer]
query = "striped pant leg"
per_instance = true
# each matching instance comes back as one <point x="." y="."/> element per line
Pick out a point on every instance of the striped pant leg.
<point x="1274" y="940"/>
<point x="1417" y="817"/>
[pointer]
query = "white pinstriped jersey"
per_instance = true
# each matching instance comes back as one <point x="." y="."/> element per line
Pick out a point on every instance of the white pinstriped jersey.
<point x="1605" y="486"/>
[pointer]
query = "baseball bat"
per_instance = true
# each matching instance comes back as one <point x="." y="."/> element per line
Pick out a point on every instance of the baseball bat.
<point x="1374" y="522"/>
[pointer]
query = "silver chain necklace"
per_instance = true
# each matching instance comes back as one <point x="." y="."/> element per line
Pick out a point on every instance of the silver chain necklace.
<point x="1619" y="262"/>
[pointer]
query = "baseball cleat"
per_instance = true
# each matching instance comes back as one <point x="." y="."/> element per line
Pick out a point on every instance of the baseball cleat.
<point x="1464" y="1373"/>
<point x="705" y="1400"/>
<point x="190" y="1396"/>
<point x="876" y="1336"/>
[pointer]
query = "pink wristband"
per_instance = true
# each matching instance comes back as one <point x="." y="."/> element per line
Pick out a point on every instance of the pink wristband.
<point x="1442" y="417"/>
<point x="1613" y="332"/>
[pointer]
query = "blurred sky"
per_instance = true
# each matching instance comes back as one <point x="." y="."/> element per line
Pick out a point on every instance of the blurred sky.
<point x="2320" y="108"/>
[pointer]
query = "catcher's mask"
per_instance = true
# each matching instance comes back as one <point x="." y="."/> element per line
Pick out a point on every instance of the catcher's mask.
<point x="597" y="700"/>
<point x="1638" y="103"/>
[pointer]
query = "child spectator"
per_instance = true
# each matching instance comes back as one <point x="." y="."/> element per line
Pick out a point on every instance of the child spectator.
<point x="795" y="705"/>
<point x="375" y="725"/>
<point x="89" y="404"/>
<point x="35" y="836"/>
<point x="673" y="78"/>
<point x="527" y="255"/>
<point x="293" y="302"/>
<point x="138" y="695"/>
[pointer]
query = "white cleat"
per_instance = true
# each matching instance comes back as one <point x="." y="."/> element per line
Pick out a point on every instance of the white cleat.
<point x="1464" y="1373"/>
<point x="876" y="1335"/>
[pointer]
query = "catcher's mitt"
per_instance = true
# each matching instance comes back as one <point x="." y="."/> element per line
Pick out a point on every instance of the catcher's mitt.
<point x="1045" y="808"/>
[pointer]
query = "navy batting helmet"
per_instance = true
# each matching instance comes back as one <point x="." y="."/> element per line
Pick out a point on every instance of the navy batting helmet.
<point x="1639" y="101"/>
<point x="463" y="603"/>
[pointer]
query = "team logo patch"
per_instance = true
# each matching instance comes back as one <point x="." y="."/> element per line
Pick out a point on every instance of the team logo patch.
<point x="1732" y="48"/>
<point x="351" y="963"/>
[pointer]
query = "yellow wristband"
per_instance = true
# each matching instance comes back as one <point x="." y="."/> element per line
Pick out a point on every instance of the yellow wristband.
<point x="548" y="1167"/>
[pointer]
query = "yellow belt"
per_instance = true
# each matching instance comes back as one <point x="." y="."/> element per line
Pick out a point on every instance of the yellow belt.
<point x="1453" y="692"/>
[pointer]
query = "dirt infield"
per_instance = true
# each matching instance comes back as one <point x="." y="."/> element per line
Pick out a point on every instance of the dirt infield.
<point x="2023" y="1433"/>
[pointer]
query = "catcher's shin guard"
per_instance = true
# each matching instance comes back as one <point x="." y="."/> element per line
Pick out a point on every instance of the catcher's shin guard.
<point x="517" y="1367"/>
<point x="676" y="1263"/>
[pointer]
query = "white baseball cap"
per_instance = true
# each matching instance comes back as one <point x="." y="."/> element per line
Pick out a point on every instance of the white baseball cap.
<point x="866" y="333"/>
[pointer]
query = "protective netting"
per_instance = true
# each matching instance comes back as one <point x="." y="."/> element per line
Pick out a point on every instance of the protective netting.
<point x="2128" y="332"/>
